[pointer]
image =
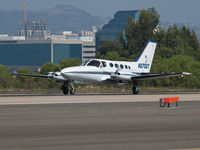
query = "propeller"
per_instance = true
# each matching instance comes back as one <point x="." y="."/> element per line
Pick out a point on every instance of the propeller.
<point x="116" y="73"/>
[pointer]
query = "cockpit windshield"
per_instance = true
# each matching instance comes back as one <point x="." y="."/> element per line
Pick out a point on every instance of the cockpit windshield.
<point x="83" y="64"/>
<point x="95" y="63"/>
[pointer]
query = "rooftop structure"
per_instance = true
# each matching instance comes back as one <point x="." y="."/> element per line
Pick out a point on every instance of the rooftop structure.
<point x="34" y="30"/>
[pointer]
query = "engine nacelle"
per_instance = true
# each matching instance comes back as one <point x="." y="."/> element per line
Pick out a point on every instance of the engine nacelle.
<point x="121" y="76"/>
<point x="56" y="76"/>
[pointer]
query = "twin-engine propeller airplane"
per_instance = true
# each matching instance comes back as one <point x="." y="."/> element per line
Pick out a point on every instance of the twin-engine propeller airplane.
<point x="107" y="71"/>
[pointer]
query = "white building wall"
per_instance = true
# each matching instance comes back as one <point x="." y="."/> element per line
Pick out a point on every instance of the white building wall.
<point x="89" y="51"/>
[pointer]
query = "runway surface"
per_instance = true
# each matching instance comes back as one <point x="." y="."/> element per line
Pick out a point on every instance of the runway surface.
<point x="90" y="98"/>
<point x="99" y="125"/>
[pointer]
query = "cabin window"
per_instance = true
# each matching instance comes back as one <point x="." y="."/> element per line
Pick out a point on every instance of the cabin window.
<point x="121" y="66"/>
<point x="95" y="63"/>
<point x="111" y="65"/>
<point x="126" y="67"/>
<point x="103" y="63"/>
<point x="129" y="67"/>
<point x="116" y="66"/>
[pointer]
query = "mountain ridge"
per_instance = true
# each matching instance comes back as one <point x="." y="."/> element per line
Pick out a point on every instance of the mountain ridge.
<point x="58" y="18"/>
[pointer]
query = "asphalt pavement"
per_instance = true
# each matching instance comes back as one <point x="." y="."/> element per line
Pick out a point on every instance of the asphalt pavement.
<point x="100" y="126"/>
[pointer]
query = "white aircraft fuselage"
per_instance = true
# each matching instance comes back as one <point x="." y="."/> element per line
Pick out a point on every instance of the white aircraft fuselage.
<point x="101" y="73"/>
<point x="98" y="70"/>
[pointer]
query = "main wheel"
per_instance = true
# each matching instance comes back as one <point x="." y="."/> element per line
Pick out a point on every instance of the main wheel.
<point x="65" y="90"/>
<point x="135" y="90"/>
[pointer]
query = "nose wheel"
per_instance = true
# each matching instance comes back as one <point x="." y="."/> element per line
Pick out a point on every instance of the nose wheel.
<point x="65" y="88"/>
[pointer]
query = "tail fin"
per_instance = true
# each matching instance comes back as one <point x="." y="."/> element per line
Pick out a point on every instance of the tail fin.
<point x="145" y="60"/>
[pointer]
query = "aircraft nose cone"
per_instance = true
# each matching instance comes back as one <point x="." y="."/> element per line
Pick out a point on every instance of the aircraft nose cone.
<point x="65" y="73"/>
<point x="71" y="73"/>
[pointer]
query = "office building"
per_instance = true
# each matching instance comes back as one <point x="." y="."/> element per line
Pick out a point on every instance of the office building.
<point x="111" y="30"/>
<point x="34" y="53"/>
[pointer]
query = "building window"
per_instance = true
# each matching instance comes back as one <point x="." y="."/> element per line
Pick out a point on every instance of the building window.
<point x="85" y="46"/>
<point x="85" y="52"/>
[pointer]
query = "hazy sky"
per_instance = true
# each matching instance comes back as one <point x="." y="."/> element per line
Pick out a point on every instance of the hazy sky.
<point x="170" y="10"/>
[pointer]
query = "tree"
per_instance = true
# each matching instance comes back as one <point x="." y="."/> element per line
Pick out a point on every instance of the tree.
<point x="69" y="62"/>
<point x="108" y="45"/>
<point x="112" y="56"/>
<point x="25" y="82"/>
<point x="177" y="50"/>
<point x="138" y="33"/>
<point x="6" y="80"/>
<point x="122" y="40"/>
<point x="49" y="67"/>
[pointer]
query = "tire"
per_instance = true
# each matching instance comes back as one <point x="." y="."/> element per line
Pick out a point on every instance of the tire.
<point x="135" y="90"/>
<point x="65" y="90"/>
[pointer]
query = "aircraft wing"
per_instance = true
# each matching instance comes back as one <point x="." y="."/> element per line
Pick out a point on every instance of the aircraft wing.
<point x="158" y="75"/>
<point x="31" y="75"/>
<point x="51" y="75"/>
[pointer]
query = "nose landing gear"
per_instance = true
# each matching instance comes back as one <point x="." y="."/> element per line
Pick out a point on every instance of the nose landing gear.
<point x="65" y="88"/>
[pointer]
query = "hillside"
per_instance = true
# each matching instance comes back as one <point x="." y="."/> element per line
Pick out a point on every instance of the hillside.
<point x="59" y="18"/>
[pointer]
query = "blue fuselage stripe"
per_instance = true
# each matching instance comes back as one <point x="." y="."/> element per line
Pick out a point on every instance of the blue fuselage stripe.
<point x="100" y="73"/>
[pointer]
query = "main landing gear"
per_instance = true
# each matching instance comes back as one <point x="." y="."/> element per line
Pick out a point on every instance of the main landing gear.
<point x="135" y="88"/>
<point x="66" y="90"/>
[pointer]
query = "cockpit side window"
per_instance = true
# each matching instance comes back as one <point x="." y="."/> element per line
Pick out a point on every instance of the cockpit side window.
<point x="95" y="63"/>
<point x="103" y="63"/>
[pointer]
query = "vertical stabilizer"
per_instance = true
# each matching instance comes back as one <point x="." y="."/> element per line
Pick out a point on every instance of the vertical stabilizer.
<point x="145" y="60"/>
